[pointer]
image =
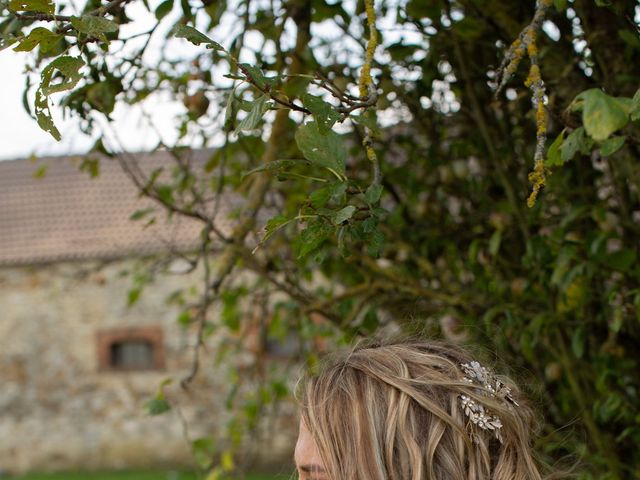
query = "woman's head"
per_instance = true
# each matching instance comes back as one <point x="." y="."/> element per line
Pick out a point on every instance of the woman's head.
<point x="395" y="411"/>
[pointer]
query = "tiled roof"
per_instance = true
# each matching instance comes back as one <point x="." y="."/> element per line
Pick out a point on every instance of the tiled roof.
<point x="67" y="215"/>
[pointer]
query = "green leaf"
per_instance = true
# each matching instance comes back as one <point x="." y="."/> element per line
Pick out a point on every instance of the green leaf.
<point x="344" y="214"/>
<point x="231" y="111"/>
<point x="94" y="25"/>
<point x="630" y="38"/>
<point x="611" y="145"/>
<point x="69" y="67"/>
<point x="165" y="193"/>
<point x="42" y="6"/>
<point x="157" y="406"/>
<point x="91" y="166"/>
<point x="41" y="171"/>
<point x="561" y="5"/>
<point x="320" y="196"/>
<point x="274" y="224"/>
<point x="255" y="74"/>
<point x="375" y="243"/>
<point x="622" y="260"/>
<point x="164" y="9"/>
<point x="373" y="193"/>
<point x="469" y="28"/>
<point x="323" y="113"/>
<point x="197" y="38"/>
<point x="575" y="142"/>
<point x="577" y="342"/>
<point x="140" y="214"/>
<point x="203" y="451"/>
<point x="258" y="109"/>
<point x="38" y="36"/>
<point x="312" y="237"/>
<point x="45" y="122"/>
<point x="230" y="316"/>
<point x="133" y="296"/>
<point x="601" y="114"/>
<point x="368" y="119"/>
<point x="494" y="242"/>
<point x="634" y="114"/>
<point x="326" y="151"/>
<point x="554" y="159"/>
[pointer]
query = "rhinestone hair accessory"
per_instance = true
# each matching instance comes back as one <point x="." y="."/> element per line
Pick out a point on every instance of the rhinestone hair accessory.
<point x="476" y="374"/>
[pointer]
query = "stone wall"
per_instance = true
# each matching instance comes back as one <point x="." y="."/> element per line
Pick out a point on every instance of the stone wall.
<point x="60" y="411"/>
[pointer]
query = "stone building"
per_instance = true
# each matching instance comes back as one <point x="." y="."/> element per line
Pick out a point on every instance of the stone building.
<point x="77" y="364"/>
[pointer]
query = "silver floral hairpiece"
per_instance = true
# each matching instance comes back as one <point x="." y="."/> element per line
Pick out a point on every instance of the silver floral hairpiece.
<point x="476" y="374"/>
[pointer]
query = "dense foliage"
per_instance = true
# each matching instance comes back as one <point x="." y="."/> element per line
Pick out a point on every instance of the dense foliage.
<point x="474" y="177"/>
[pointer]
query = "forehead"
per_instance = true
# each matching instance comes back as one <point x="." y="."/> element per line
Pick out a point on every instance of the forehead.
<point x="306" y="452"/>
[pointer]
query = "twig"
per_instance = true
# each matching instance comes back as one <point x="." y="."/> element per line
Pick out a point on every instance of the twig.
<point x="526" y="44"/>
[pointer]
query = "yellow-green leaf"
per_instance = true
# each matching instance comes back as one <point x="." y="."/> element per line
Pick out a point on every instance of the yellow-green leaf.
<point x="38" y="36"/>
<point x="611" y="145"/>
<point x="326" y="151"/>
<point x="42" y="6"/>
<point x="602" y="114"/>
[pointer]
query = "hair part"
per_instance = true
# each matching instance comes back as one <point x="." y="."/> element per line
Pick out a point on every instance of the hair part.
<point x="392" y="412"/>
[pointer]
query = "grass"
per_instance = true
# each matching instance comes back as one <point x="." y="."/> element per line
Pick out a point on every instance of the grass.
<point x="131" y="476"/>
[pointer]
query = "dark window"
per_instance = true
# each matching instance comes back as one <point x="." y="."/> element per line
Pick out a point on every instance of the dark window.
<point x="132" y="354"/>
<point x="131" y="349"/>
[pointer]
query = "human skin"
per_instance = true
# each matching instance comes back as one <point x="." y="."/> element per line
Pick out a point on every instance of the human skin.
<point x="307" y="457"/>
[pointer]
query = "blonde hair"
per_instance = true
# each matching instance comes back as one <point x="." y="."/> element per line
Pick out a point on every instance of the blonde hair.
<point x="392" y="412"/>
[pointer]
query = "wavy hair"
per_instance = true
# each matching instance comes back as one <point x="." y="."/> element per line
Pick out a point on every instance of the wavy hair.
<point x="392" y="412"/>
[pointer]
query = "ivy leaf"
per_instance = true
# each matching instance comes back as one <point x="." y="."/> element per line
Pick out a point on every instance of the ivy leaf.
<point x="602" y="114"/>
<point x="611" y="145"/>
<point x="344" y="214"/>
<point x="326" y="151"/>
<point x="258" y="109"/>
<point x="69" y="67"/>
<point x="196" y="37"/>
<point x="575" y="142"/>
<point x="323" y="113"/>
<point x="42" y="6"/>
<point x="38" y="36"/>
<point x="554" y="159"/>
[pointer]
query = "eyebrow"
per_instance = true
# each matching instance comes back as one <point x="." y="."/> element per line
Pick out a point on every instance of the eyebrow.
<point x="312" y="468"/>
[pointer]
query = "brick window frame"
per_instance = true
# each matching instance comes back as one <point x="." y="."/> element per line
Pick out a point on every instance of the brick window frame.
<point x="152" y="335"/>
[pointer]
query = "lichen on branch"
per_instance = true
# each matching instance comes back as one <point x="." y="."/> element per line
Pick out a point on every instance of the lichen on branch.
<point x="526" y="44"/>
<point x="366" y="87"/>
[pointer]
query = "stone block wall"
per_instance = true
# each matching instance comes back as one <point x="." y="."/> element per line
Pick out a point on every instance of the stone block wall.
<point x="59" y="410"/>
